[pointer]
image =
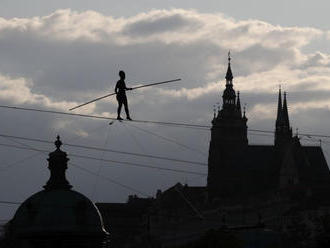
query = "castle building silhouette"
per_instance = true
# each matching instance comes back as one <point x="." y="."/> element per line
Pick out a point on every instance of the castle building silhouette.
<point x="239" y="172"/>
<point x="248" y="186"/>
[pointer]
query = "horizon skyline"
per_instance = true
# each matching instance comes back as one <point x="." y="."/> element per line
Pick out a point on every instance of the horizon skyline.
<point x="56" y="58"/>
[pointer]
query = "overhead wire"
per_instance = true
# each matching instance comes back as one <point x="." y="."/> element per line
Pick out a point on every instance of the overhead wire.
<point x="103" y="117"/>
<point x="106" y="150"/>
<point x="28" y="147"/>
<point x="138" y="144"/>
<point x="110" y="180"/>
<point x="110" y="160"/>
<point x="173" y="124"/>
<point x="10" y="202"/>
<point x="167" y="139"/>
<point x="100" y="164"/>
<point x="10" y="165"/>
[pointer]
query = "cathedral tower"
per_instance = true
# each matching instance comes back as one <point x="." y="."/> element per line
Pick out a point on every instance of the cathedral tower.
<point x="283" y="131"/>
<point x="229" y="125"/>
<point x="228" y="135"/>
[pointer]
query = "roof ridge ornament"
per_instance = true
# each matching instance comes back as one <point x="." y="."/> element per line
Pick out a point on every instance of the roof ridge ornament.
<point x="58" y="143"/>
<point x="57" y="164"/>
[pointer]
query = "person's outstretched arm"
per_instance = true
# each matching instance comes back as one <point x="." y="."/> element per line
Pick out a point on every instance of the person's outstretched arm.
<point x="126" y="88"/>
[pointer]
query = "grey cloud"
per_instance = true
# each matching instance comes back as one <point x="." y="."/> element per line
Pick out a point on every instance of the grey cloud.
<point x="80" y="68"/>
<point x="87" y="68"/>
<point x="258" y="59"/>
<point x="155" y="25"/>
<point x="315" y="60"/>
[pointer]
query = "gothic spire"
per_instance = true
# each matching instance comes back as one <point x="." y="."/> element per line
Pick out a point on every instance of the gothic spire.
<point x="244" y="111"/>
<point x="229" y="74"/>
<point x="283" y="131"/>
<point x="279" y="109"/>
<point x="285" y="113"/>
<point x="239" y="110"/>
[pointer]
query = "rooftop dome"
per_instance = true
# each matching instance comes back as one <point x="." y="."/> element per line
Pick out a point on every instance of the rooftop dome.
<point x="57" y="211"/>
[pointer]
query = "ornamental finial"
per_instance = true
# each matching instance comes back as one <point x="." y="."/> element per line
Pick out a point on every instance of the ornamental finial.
<point x="58" y="142"/>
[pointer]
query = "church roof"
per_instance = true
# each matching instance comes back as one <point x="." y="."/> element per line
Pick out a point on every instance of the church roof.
<point x="57" y="210"/>
<point x="255" y="170"/>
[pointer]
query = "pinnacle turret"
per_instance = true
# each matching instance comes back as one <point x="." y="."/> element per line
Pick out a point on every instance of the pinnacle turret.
<point x="283" y="131"/>
<point x="239" y="109"/>
<point x="229" y="74"/>
<point x="286" y="121"/>
<point x="279" y="109"/>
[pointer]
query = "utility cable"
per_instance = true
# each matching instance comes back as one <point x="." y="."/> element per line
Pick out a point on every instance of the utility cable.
<point x="106" y="150"/>
<point x="189" y="203"/>
<point x="177" y="124"/>
<point x="168" y="139"/>
<point x="28" y="147"/>
<point x="100" y="165"/>
<point x="109" y="160"/>
<point x="173" y="124"/>
<point x="110" y="180"/>
<point x="10" y="202"/>
<point x="10" y="165"/>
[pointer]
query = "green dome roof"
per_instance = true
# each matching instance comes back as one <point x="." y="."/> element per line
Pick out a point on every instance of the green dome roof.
<point x="57" y="211"/>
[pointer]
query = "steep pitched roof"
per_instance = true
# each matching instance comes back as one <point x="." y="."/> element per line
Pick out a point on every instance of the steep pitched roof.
<point x="279" y="109"/>
<point x="285" y="113"/>
<point x="255" y="170"/>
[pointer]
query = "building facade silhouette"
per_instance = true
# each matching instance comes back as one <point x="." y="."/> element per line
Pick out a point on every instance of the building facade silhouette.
<point x="239" y="172"/>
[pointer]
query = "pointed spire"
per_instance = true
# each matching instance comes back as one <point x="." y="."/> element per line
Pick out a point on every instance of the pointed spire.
<point x="279" y="108"/>
<point x="285" y="112"/>
<point x="239" y="105"/>
<point x="229" y="74"/>
<point x="283" y="131"/>
<point x="244" y="111"/>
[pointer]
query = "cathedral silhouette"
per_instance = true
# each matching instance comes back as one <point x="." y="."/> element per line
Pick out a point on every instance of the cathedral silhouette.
<point x="239" y="172"/>
<point x="257" y="191"/>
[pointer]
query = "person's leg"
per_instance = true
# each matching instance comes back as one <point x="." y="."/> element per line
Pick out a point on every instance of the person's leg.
<point x="120" y="104"/>
<point x="126" y="108"/>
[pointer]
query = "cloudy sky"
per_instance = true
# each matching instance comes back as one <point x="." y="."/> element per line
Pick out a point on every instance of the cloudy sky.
<point x="55" y="55"/>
